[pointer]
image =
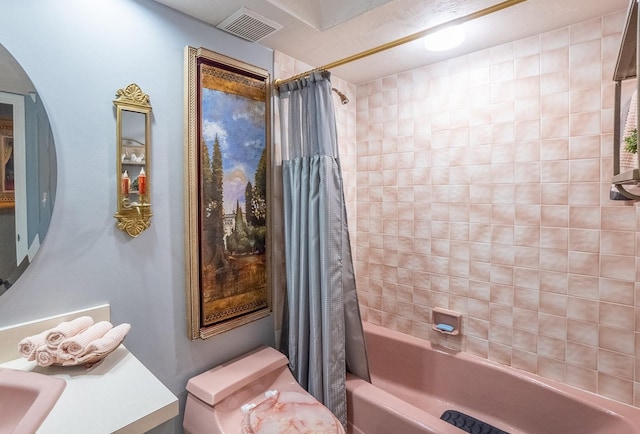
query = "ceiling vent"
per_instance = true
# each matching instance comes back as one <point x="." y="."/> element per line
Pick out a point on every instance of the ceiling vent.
<point x="249" y="25"/>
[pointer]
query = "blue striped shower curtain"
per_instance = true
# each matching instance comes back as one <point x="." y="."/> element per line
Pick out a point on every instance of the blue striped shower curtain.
<point x="322" y="328"/>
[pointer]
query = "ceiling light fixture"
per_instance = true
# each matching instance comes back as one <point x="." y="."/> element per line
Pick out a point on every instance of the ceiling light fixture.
<point x="444" y="39"/>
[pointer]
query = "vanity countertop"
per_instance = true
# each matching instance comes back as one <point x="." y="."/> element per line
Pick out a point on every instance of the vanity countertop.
<point x="117" y="395"/>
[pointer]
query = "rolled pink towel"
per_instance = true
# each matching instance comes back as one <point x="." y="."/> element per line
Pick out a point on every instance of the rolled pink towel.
<point x="77" y="345"/>
<point x="66" y="330"/>
<point x="106" y="344"/>
<point x="27" y="347"/>
<point x="45" y="356"/>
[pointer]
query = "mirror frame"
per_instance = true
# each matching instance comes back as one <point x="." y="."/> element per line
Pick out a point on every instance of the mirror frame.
<point x="133" y="216"/>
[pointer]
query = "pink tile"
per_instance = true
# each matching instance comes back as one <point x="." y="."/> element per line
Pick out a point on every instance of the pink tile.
<point x="555" y="82"/>
<point x="584" y="240"/>
<point x="528" y="194"/>
<point x="501" y="274"/>
<point x="503" y="193"/>
<point x="527" y="109"/>
<point x="582" y="124"/>
<point x="526" y="278"/>
<point x="584" y="193"/>
<point x="585" y="217"/>
<point x="554" y="127"/>
<point x="617" y="291"/>
<point x="618" y="340"/>
<point x="528" y="257"/>
<point x="584" y="263"/>
<point x="527" y="172"/>
<point x="554" y="60"/>
<point x="582" y="332"/>
<point x="586" y="31"/>
<point x="525" y="319"/>
<point x="586" y="100"/>
<point x="501" y="234"/>
<point x="584" y="147"/>
<point x="553" y="105"/>
<point x="584" y="170"/>
<point x="551" y="347"/>
<point x="555" y="216"/>
<point x="551" y="368"/>
<point x="582" y="378"/>
<point x="525" y="360"/>
<point x="583" y="309"/>
<point x="554" y="170"/>
<point x="553" y="281"/>
<point x="585" y="75"/>
<point x="555" y="194"/>
<point x="618" y="243"/>
<point x="528" y="215"/>
<point x="553" y="304"/>
<point x="527" y="151"/>
<point x="480" y="252"/>
<point x="554" y="238"/>
<point x="615" y="388"/>
<point x="619" y="218"/>
<point x="480" y="213"/>
<point x="555" y="39"/>
<point x="582" y="355"/>
<point x="618" y="267"/>
<point x="619" y="316"/>
<point x="583" y="286"/>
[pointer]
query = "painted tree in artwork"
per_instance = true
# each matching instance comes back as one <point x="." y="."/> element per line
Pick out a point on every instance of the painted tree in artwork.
<point x="248" y="207"/>
<point x="213" y="225"/>
<point x="259" y="198"/>
<point x="259" y="204"/>
<point x="240" y="241"/>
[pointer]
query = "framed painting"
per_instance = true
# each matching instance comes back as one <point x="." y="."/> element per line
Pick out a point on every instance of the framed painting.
<point x="7" y="188"/>
<point x="227" y="192"/>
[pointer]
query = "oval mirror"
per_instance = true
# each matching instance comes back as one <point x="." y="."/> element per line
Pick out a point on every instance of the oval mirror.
<point x="28" y="172"/>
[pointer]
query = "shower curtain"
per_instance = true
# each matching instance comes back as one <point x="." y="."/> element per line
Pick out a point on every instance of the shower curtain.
<point x="322" y="328"/>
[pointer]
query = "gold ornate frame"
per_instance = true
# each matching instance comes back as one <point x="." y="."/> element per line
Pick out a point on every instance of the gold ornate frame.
<point x="133" y="110"/>
<point x="7" y="196"/>
<point x="228" y="252"/>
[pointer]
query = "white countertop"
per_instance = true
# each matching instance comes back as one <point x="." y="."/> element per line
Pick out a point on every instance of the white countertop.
<point x="116" y="395"/>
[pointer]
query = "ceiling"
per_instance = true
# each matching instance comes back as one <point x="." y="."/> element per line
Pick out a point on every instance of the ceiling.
<point x="319" y="32"/>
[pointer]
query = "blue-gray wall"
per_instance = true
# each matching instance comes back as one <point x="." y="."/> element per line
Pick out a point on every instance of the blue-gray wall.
<point x="78" y="53"/>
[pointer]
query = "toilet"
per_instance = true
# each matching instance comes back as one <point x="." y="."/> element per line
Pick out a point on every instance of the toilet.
<point x="254" y="394"/>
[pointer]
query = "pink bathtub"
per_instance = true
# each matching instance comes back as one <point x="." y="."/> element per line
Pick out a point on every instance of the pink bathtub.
<point x="414" y="383"/>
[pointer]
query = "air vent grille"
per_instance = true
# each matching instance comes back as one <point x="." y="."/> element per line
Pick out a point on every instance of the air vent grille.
<point x="249" y="25"/>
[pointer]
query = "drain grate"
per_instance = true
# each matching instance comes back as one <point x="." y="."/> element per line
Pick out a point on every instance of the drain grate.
<point x="469" y="424"/>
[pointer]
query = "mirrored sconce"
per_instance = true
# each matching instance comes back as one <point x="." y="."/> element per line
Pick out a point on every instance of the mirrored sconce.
<point x="133" y="134"/>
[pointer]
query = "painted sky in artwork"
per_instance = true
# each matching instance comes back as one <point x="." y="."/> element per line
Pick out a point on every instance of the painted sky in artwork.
<point x="239" y="123"/>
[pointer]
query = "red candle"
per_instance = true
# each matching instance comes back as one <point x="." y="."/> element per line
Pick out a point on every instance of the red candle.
<point x="142" y="182"/>
<point x="125" y="183"/>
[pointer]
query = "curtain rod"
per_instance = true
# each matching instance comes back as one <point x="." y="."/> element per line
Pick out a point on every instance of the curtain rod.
<point x="410" y="38"/>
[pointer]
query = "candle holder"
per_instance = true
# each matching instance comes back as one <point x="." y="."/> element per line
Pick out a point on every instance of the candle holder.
<point x="133" y="138"/>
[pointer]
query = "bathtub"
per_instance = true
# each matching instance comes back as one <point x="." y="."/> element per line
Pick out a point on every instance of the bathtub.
<point x="414" y="382"/>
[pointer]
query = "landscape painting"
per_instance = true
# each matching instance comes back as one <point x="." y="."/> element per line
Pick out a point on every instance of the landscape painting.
<point x="231" y="159"/>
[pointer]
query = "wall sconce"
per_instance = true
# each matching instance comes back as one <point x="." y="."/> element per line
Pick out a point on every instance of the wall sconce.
<point x="133" y="141"/>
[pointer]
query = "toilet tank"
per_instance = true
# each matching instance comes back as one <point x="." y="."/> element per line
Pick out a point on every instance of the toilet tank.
<point x="214" y="385"/>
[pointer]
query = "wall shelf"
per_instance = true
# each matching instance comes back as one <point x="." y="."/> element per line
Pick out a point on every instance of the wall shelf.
<point x="446" y="321"/>
<point x="626" y="68"/>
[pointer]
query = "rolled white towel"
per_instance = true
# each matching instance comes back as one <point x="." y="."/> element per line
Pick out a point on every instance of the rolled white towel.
<point x="77" y="345"/>
<point x="106" y="344"/>
<point x="46" y="356"/>
<point x="27" y="347"/>
<point x="67" y="329"/>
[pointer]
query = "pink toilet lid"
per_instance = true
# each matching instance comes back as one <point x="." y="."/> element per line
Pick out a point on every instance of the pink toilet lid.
<point x="289" y="413"/>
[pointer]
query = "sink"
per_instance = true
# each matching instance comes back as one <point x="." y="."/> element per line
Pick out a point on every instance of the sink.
<point x="26" y="398"/>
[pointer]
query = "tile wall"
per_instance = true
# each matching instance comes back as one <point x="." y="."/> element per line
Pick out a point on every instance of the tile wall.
<point x="482" y="186"/>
